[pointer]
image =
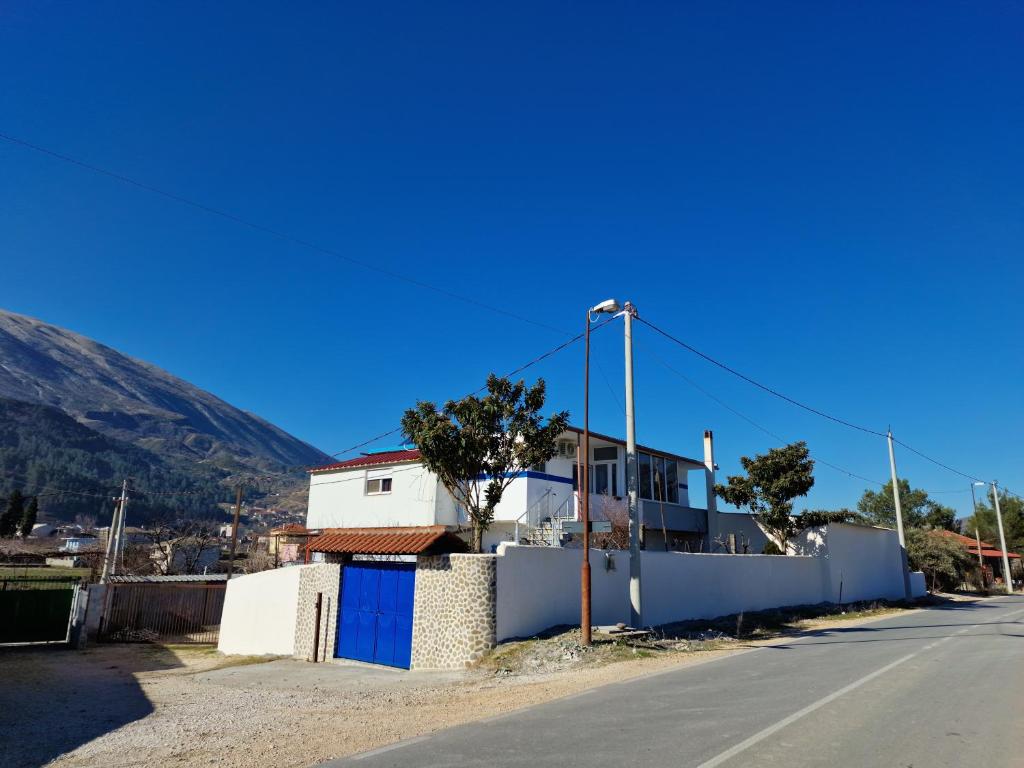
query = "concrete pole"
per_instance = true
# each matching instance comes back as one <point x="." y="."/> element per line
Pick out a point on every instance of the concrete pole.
<point x="234" y="529"/>
<point x="709" y="486"/>
<point x="1002" y="539"/>
<point x="899" y="517"/>
<point x="119" y="533"/>
<point x="635" y="611"/>
<point x="585" y="637"/>
<point x="108" y="557"/>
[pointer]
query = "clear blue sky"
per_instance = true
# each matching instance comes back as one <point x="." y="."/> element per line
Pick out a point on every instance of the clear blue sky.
<point x="827" y="196"/>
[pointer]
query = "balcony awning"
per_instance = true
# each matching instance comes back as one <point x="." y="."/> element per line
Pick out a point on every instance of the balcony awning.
<point x="992" y="553"/>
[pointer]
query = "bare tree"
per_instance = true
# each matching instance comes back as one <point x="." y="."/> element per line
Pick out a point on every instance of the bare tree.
<point x="178" y="546"/>
<point x="615" y="511"/>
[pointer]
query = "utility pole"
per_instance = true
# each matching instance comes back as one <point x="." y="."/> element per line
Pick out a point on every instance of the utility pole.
<point x="119" y="543"/>
<point x="1002" y="539"/>
<point x="635" y="607"/>
<point x="112" y="533"/>
<point x="585" y="496"/>
<point x="899" y="517"/>
<point x="234" y="529"/>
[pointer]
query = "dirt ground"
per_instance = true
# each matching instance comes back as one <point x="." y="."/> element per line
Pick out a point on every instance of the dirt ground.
<point x="131" y="705"/>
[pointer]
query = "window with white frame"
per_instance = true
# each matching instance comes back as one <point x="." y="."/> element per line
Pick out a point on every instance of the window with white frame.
<point x="378" y="485"/>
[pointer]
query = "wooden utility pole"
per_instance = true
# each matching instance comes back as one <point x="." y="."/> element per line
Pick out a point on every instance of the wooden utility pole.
<point x="234" y="529"/>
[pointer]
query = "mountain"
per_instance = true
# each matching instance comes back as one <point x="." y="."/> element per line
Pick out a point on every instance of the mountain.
<point x="178" y="426"/>
<point x="134" y="401"/>
<point x="76" y="471"/>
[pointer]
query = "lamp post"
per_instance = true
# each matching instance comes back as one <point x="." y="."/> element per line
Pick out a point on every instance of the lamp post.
<point x="1002" y="539"/>
<point x="977" y="535"/>
<point x="608" y="306"/>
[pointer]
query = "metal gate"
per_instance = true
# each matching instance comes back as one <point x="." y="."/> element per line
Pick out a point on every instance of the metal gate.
<point x="36" y="609"/>
<point x="375" y="616"/>
<point x="166" y="613"/>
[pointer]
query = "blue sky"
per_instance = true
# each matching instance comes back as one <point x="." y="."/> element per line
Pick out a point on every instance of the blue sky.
<point x="826" y="196"/>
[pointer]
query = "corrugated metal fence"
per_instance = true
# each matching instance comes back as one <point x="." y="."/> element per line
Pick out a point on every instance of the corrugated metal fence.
<point x="166" y="613"/>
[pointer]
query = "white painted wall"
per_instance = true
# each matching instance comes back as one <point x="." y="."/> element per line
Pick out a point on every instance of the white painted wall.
<point x="259" y="613"/>
<point x="677" y="586"/>
<point x="539" y="587"/>
<point x="863" y="561"/>
<point x="339" y="499"/>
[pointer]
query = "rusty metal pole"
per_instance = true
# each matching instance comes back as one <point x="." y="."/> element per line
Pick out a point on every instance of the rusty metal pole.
<point x="585" y="494"/>
<point x="234" y="529"/>
<point x="316" y="627"/>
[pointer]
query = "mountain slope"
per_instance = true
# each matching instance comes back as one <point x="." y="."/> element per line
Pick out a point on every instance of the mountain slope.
<point x="136" y="402"/>
<point x="43" y="451"/>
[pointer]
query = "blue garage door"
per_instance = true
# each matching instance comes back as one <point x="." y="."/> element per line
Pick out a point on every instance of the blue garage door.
<point x="375" y="620"/>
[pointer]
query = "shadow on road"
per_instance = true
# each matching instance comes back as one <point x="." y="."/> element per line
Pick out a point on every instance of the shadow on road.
<point x="54" y="700"/>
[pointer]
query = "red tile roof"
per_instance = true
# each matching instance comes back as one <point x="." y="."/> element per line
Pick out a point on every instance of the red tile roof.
<point x="372" y="459"/>
<point x="987" y="550"/>
<point x="289" y="528"/>
<point x="410" y="540"/>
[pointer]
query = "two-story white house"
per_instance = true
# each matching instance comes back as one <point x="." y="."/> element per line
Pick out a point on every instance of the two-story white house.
<point x="393" y="488"/>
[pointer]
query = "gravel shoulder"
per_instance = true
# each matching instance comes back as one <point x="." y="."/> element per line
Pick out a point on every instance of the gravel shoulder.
<point x="129" y="705"/>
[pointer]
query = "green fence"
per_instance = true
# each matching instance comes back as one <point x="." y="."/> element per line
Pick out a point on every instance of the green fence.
<point x="36" y="610"/>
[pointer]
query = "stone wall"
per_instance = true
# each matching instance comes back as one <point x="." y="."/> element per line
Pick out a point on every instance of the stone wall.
<point x="454" y="613"/>
<point x="324" y="578"/>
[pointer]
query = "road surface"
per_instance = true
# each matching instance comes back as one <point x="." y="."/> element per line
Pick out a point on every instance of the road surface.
<point x="939" y="687"/>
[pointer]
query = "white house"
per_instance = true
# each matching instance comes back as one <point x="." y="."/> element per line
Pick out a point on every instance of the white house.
<point x="393" y="488"/>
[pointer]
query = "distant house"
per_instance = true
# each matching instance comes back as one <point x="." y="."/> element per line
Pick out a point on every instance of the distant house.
<point x="286" y="543"/>
<point x="992" y="556"/>
<point x="42" y="531"/>
<point x="80" y="542"/>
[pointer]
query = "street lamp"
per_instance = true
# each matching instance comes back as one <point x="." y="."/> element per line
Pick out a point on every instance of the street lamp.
<point x="977" y="535"/>
<point x="609" y="306"/>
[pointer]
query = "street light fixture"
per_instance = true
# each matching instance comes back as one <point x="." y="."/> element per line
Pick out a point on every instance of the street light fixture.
<point x="608" y="306"/>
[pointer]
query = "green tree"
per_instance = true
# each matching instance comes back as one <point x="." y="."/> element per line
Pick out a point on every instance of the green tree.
<point x="28" y="519"/>
<point x="494" y="437"/>
<point x="943" y="561"/>
<point x="772" y="482"/>
<point x="919" y="511"/>
<point x="12" y="515"/>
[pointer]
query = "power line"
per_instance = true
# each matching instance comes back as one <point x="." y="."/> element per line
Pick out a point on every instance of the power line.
<point x="937" y="462"/>
<point x="510" y="374"/>
<point x="753" y="423"/>
<point x="758" y="384"/>
<point x="273" y="232"/>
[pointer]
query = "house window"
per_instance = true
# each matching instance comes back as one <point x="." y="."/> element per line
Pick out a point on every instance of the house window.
<point x="608" y="453"/>
<point x="378" y="485"/>
<point x="672" y="482"/>
<point x="644" y="467"/>
<point x="658" y="465"/>
<point x="541" y="467"/>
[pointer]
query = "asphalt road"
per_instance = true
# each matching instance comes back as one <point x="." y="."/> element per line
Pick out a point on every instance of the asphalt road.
<point x="940" y="687"/>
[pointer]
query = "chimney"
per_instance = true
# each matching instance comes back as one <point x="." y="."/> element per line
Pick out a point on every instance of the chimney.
<point x="709" y="484"/>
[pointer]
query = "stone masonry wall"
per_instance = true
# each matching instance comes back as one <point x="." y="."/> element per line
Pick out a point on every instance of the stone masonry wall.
<point x="325" y="578"/>
<point x="454" y="614"/>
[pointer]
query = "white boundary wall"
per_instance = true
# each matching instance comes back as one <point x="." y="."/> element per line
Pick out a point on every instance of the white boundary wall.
<point x="259" y="613"/>
<point x="677" y="586"/>
<point x="539" y="587"/>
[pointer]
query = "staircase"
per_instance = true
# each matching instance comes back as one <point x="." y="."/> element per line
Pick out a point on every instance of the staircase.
<point x="539" y="526"/>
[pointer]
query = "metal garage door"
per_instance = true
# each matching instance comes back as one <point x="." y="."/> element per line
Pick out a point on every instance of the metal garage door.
<point x="375" y="620"/>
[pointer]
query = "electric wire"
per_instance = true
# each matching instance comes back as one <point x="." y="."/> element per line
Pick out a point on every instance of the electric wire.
<point x="758" y="384"/>
<point x="277" y="233"/>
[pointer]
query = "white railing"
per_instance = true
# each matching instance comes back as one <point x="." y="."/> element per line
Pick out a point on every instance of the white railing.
<point x="534" y="514"/>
